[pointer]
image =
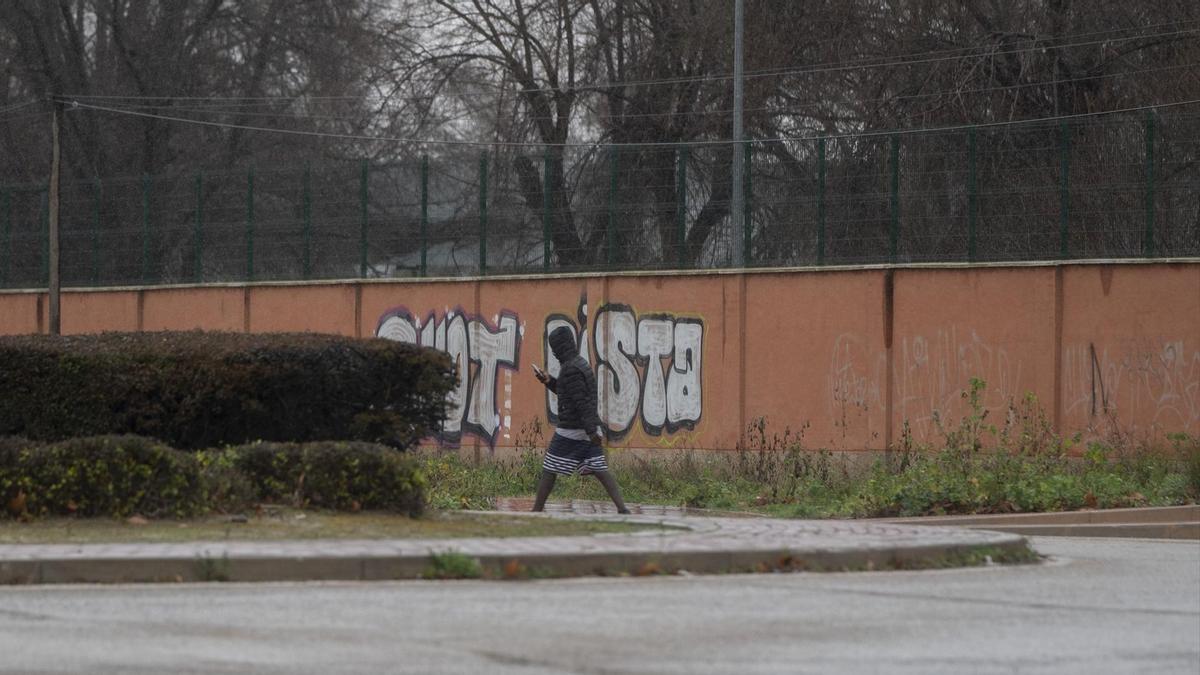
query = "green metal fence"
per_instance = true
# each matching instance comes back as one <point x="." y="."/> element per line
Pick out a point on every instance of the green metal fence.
<point x="1112" y="187"/>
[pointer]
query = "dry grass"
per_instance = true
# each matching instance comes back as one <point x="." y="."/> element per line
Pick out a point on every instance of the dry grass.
<point x="281" y="524"/>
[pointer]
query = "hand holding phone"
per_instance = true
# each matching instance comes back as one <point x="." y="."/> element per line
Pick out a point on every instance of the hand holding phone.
<point x="540" y="374"/>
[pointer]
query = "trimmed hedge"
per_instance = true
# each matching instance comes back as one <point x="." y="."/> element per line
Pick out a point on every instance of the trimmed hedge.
<point x="119" y="476"/>
<point x="99" y="476"/>
<point x="335" y="475"/>
<point x="202" y="389"/>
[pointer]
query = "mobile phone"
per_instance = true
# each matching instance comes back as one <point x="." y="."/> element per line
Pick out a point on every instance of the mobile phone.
<point x="537" y="370"/>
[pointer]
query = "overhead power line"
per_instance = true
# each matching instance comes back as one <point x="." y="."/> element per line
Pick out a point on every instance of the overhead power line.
<point x="16" y="106"/>
<point x="72" y="104"/>
<point x="1041" y="43"/>
<point x="1036" y="43"/>
<point x="783" y="109"/>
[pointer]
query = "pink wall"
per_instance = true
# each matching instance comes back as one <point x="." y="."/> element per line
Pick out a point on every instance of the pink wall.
<point x="190" y="308"/>
<point x="1131" y="349"/>
<point x="99" y="311"/>
<point x="953" y="325"/>
<point x="21" y="313"/>
<point x="815" y="354"/>
<point x="843" y="357"/>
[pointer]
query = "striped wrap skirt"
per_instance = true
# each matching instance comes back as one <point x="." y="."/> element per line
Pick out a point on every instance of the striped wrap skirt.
<point x="566" y="456"/>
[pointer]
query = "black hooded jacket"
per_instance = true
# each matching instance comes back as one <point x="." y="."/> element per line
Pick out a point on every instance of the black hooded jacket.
<point x="575" y="385"/>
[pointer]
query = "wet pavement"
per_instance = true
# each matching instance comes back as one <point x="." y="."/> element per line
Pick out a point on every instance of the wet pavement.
<point x="681" y="541"/>
<point x="1096" y="607"/>
<point x="589" y="507"/>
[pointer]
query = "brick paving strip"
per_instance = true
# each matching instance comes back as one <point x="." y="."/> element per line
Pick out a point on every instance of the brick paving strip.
<point x="695" y="544"/>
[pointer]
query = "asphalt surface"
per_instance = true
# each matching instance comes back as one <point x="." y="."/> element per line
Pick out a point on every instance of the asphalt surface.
<point x="693" y="543"/>
<point x="1098" y="606"/>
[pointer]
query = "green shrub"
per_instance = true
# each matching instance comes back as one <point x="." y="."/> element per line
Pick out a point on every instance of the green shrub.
<point x="226" y="488"/>
<point x="336" y="475"/>
<point x="452" y="565"/>
<point x="198" y="389"/>
<point x="1187" y="449"/>
<point x="99" y="476"/>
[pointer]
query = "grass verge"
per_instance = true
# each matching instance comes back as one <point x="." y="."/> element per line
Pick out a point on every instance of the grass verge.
<point x="975" y="467"/>
<point x="287" y="523"/>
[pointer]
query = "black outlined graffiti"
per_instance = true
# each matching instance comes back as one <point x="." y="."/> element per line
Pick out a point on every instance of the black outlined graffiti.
<point x="650" y="364"/>
<point x="479" y="349"/>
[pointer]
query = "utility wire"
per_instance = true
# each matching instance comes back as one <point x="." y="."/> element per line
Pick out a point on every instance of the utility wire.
<point x="782" y="109"/>
<point x="1040" y="43"/>
<point x="866" y="62"/>
<point x="16" y="106"/>
<point x="417" y="141"/>
<point x="953" y="54"/>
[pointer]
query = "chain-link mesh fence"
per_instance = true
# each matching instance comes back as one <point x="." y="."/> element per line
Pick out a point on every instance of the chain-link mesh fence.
<point x="1104" y="187"/>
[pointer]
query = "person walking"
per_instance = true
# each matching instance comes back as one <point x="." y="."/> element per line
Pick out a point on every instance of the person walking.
<point x="576" y="446"/>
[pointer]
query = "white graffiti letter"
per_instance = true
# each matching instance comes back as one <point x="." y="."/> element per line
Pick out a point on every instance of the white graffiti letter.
<point x="684" y="400"/>
<point x="654" y="343"/>
<point x="616" y="376"/>
<point x="398" y="327"/>
<point x="489" y="351"/>
<point x="428" y="331"/>
<point x="458" y="347"/>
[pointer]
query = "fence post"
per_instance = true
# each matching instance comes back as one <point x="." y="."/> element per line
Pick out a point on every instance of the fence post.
<point x="6" y="214"/>
<point x="483" y="214"/>
<point x="546" y="209"/>
<point x="424" y="214"/>
<point x="611" y="234"/>
<point x="681" y="204"/>
<point x="250" y="224"/>
<point x="894" y="230"/>
<point x="307" y="196"/>
<point x="145" y="229"/>
<point x="972" y="194"/>
<point x="1148" y="242"/>
<point x="97" y="196"/>
<point x="199" y="234"/>
<point x="747" y="204"/>
<point x="1064" y="217"/>
<point x="820" y="201"/>
<point x="363" y="195"/>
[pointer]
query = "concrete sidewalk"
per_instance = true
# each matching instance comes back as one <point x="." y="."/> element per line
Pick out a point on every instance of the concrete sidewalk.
<point x="708" y="545"/>
<point x="1162" y="522"/>
<point x="1168" y="522"/>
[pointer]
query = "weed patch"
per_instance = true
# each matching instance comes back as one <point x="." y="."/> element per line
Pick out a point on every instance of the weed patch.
<point x="977" y="465"/>
<point x="212" y="569"/>
<point x="452" y="565"/>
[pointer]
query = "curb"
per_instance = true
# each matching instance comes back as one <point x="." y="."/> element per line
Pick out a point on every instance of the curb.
<point x="1186" y="531"/>
<point x="705" y="546"/>
<point x="1165" y="522"/>
<point x="1150" y="514"/>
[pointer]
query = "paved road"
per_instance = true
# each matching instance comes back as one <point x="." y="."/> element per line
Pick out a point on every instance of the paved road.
<point x="1103" y="606"/>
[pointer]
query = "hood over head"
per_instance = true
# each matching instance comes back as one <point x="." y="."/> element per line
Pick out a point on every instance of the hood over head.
<point x="562" y="343"/>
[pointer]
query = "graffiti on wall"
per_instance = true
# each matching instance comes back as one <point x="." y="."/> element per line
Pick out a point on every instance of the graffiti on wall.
<point x="930" y="373"/>
<point x="855" y="385"/>
<point x="480" y="349"/>
<point x="648" y="366"/>
<point x="1156" y="381"/>
<point x="1143" y="385"/>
